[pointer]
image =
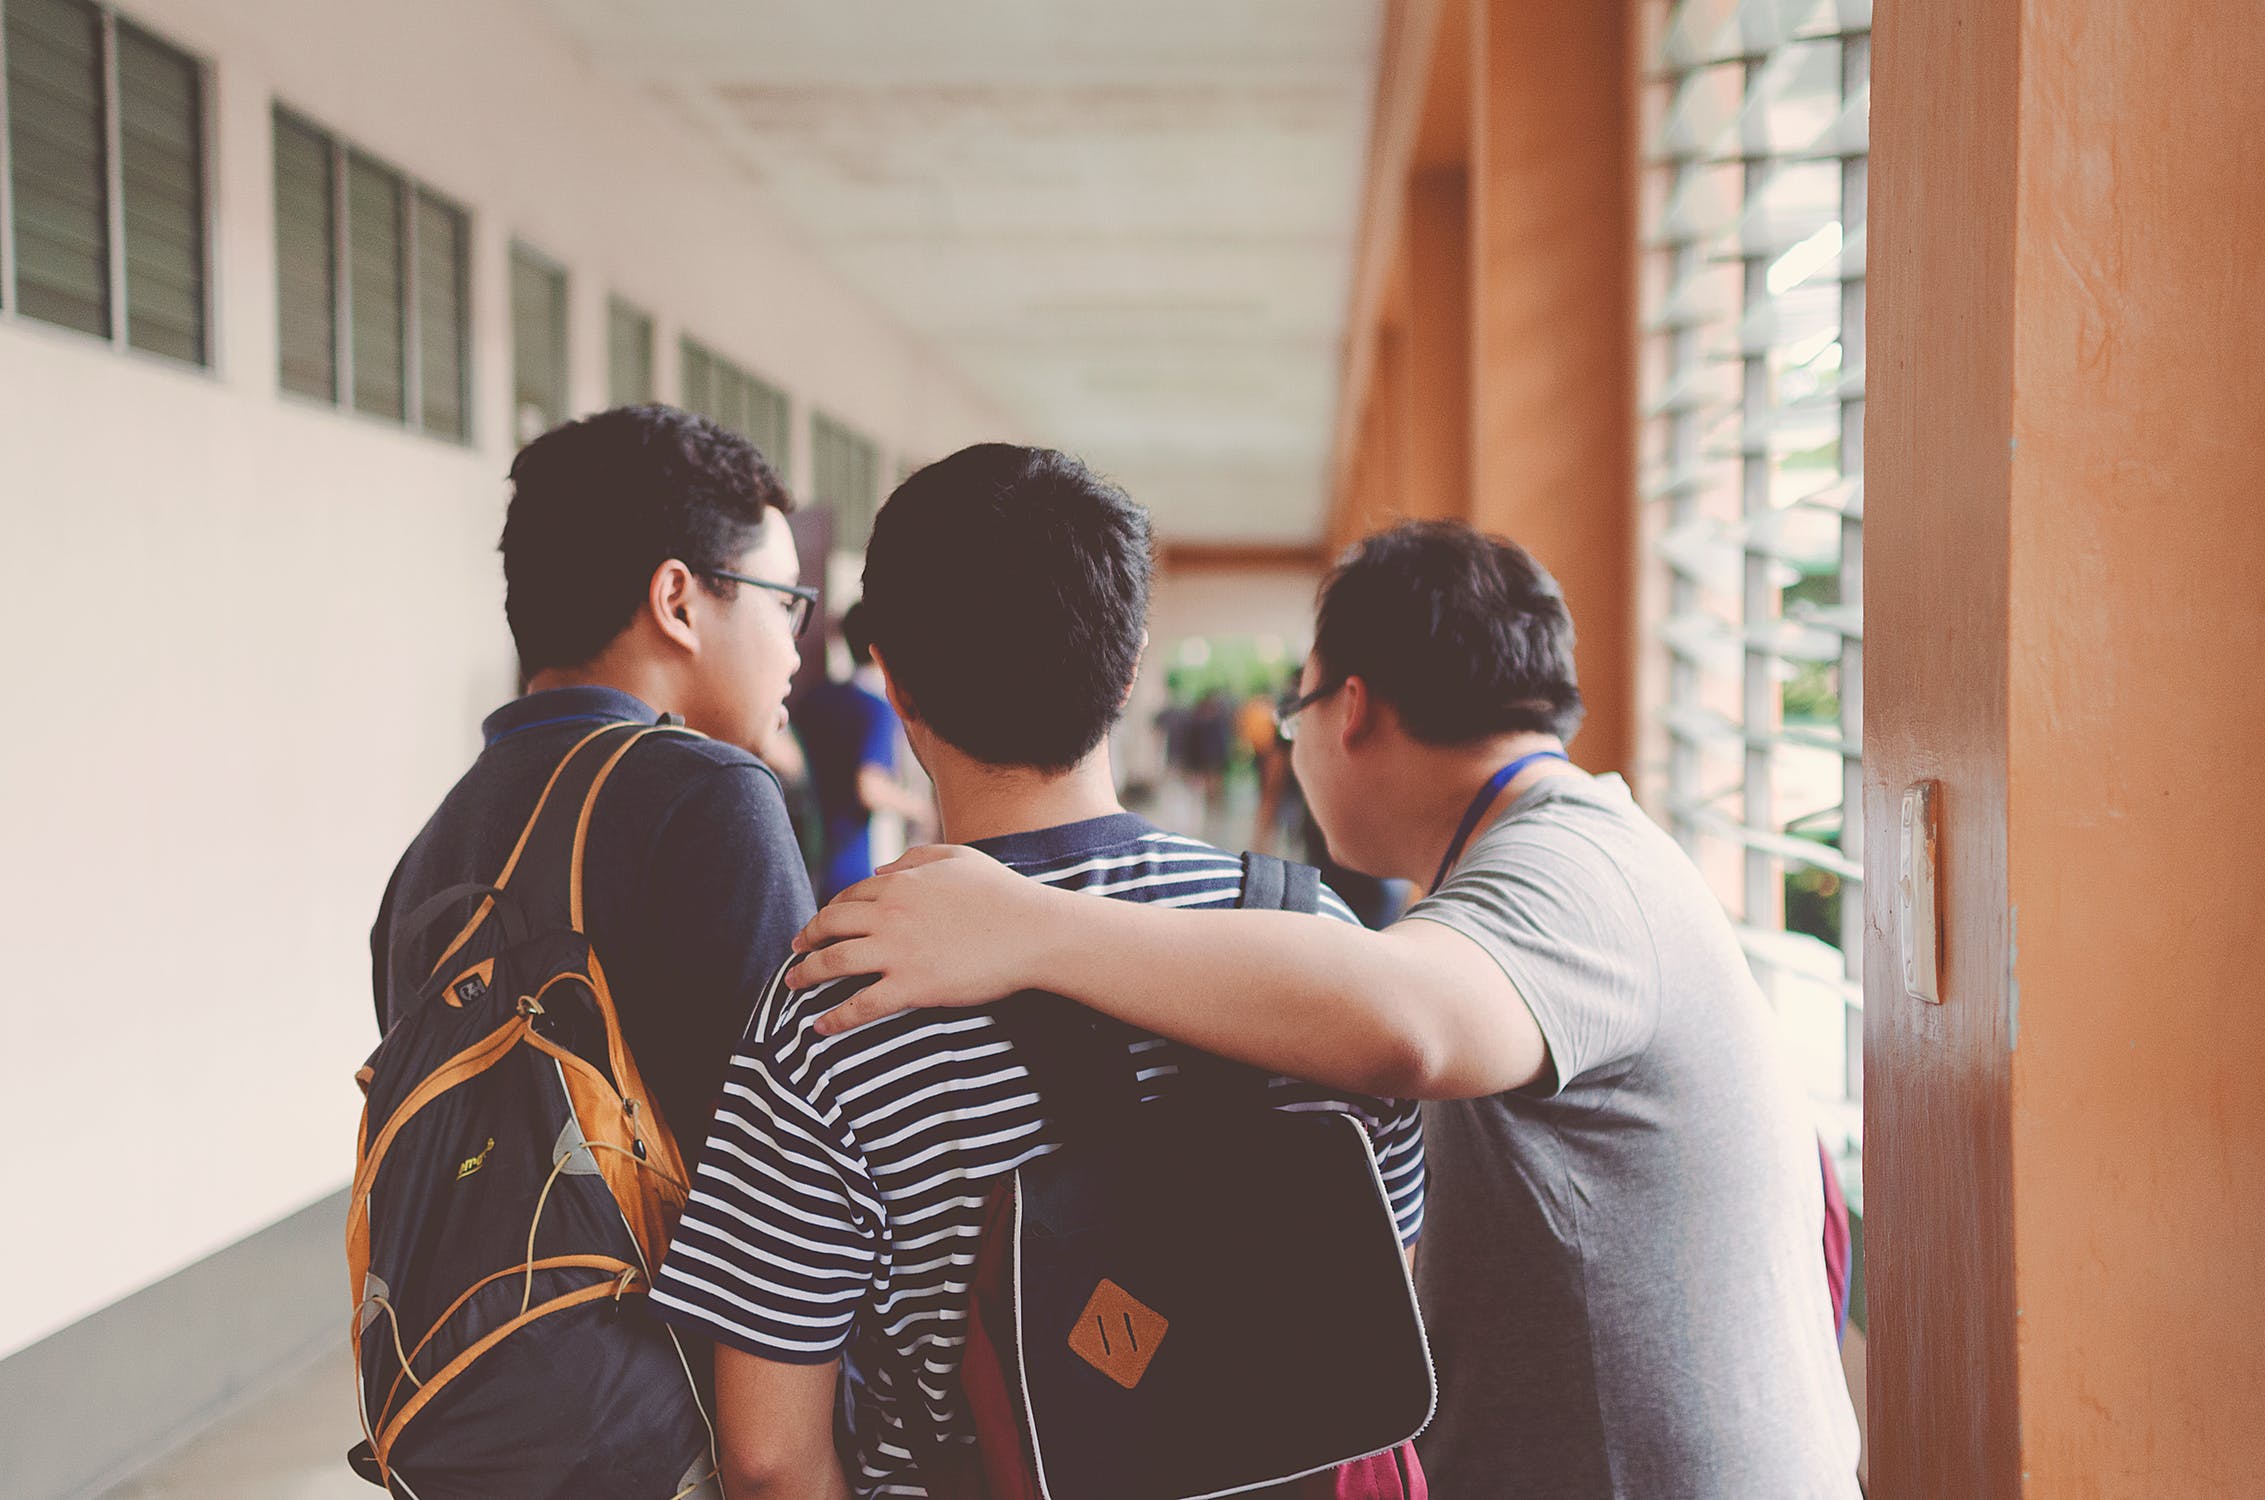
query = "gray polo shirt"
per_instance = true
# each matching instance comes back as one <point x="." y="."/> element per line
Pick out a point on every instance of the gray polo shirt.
<point x="1622" y="1272"/>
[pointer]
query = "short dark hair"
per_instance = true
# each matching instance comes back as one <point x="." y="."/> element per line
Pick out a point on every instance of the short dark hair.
<point x="857" y="634"/>
<point x="1007" y="593"/>
<point x="598" y="504"/>
<point x="1463" y="633"/>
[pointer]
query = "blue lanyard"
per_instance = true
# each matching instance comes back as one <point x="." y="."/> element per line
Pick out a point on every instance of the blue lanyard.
<point x="1485" y="800"/>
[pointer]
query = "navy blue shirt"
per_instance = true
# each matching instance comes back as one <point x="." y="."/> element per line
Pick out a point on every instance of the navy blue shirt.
<point x="695" y="885"/>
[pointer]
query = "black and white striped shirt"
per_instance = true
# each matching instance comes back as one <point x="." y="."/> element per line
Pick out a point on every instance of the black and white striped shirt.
<point x="838" y="1203"/>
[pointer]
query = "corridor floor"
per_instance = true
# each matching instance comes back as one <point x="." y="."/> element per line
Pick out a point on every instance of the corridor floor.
<point x="290" y="1445"/>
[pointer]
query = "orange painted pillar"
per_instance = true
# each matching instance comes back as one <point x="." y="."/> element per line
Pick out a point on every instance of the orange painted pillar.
<point x="1553" y="322"/>
<point x="2065" y="596"/>
<point x="1437" y="231"/>
<point x="1390" y="414"/>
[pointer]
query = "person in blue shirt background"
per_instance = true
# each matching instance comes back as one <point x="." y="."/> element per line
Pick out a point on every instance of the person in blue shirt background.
<point x="850" y="735"/>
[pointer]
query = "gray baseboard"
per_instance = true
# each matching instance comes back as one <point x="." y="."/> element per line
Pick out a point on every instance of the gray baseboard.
<point x="89" y="1405"/>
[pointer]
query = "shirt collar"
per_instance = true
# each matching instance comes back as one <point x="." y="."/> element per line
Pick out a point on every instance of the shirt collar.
<point x="1041" y="844"/>
<point x="564" y="706"/>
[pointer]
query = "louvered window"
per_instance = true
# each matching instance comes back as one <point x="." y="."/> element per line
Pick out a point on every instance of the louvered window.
<point x="538" y="343"/>
<point x="845" y="471"/>
<point x="104" y="180"/>
<point x="726" y="394"/>
<point x="443" y="315"/>
<point x="161" y="171"/>
<point x="371" y="264"/>
<point x="377" y="283"/>
<point x="1753" y="444"/>
<point x="629" y="355"/>
<point x="306" y="239"/>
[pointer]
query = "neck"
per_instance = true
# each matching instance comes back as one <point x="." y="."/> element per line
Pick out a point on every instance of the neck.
<point x="640" y="679"/>
<point x="978" y="801"/>
<point x="1441" y="782"/>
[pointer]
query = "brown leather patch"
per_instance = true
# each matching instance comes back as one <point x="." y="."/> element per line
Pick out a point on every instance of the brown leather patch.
<point x="1118" y="1333"/>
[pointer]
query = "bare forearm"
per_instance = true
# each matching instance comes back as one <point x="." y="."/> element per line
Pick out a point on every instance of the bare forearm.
<point x="1300" y="995"/>
<point x="1414" y="1012"/>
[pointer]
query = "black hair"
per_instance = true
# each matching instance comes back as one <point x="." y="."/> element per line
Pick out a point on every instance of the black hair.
<point x="1461" y="632"/>
<point x="857" y="634"/>
<point x="598" y="504"/>
<point x="1007" y="592"/>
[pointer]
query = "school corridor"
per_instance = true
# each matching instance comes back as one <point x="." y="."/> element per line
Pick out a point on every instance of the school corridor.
<point x="1884" y="380"/>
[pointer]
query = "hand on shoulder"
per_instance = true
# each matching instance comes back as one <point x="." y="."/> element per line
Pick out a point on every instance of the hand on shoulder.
<point x="943" y="926"/>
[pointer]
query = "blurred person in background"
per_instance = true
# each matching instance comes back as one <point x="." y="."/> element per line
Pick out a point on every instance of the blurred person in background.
<point x="850" y="734"/>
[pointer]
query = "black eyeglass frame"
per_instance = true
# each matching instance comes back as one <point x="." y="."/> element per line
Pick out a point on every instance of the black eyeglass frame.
<point x="1291" y="704"/>
<point x="806" y="595"/>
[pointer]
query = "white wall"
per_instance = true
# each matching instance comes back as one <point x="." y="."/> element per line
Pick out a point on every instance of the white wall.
<point x="251" y="638"/>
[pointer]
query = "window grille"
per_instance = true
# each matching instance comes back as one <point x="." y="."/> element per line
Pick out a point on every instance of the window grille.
<point x="161" y="174"/>
<point x="845" y="470"/>
<point x="104" y="184"/>
<point x="629" y="355"/>
<point x="442" y="360"/>
<point x="372" y="284"/>
<point x="538" y="343"/>
<point x="1753" y="444"/>
<point x="726" y="394"/>
<point x="377" y="282"/>
<point x="306" y="236"/>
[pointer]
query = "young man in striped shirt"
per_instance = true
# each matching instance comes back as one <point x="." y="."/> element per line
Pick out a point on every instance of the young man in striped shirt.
<point x="836" y="1209"/>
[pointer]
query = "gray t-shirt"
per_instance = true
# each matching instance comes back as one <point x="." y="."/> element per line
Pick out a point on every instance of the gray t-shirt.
<point x="1622" y="1274"/>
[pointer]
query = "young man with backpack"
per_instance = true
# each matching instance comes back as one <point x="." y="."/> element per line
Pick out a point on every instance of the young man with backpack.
<point x="650" y="884"/>
<point x="837" y="1210"/>
<point x="1621" y="1272"/>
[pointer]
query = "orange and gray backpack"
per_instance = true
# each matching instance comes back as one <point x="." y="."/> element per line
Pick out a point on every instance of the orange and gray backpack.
<point x="513" y="1193"/>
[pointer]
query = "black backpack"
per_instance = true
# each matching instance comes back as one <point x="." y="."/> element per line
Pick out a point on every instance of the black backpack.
<point x="514" y="1190"/>
<point x="1195" y="1297"/>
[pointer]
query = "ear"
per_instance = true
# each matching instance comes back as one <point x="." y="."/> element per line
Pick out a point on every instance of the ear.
<point x="1364" y="714"/>
<point x="1140" y="659"/>
<point x="668" y="603"/>
<point x="890" y="690"/>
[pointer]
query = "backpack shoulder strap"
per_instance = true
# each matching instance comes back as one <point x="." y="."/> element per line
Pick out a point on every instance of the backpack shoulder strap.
<point x="1273" y="884"/>
<point x="1078" y="1063"/>
<point x="1269" y="884"/>
<point x="545" y="870"/>
<point x="540" y="885"/>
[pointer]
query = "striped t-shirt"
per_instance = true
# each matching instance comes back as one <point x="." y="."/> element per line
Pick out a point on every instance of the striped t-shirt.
<point x="839" y="1200"/>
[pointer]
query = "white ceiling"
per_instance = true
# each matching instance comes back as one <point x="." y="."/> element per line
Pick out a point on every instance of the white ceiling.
<point x="1130" y="220"/>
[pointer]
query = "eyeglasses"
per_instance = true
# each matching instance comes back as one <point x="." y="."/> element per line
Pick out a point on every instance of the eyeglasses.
<point x="802" y="600"/>
<point x="1290" y="705"/>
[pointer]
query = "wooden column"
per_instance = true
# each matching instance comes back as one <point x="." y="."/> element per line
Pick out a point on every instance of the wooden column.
<point x="1438" y="228"/>
<point x="2065" y="627"/>
<point x="1553" y="168"/>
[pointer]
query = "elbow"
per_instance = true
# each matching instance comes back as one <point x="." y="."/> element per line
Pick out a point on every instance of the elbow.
<point x="752" y="1471"/>
<point x="1405" y="1062"/>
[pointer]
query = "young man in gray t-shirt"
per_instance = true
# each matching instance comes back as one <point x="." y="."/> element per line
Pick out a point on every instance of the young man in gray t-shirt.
<point x="1623" y="1275"/>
